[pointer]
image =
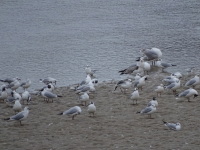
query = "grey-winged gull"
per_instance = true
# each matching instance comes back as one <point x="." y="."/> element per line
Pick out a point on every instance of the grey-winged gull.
<point x="135" y="95"/>
<point x="159" y="89"/>
<point x="189" y="93"/>
<point x="193" y="82"/>
<point x="123" y="84"/>
<point x="148" y="110"/>
<point x="73" y="111"/>
<point x="26" y="96"/>
<point x="17" y="107"/>
<point x="10" y="80"/>
<point x="3" y="94"/>
<point x="172" y="126"/>
<point x="49" y="95"/>
<point x="20" y="116"/>
<point x="91" y="108"/>
<point x="26" y="84"/>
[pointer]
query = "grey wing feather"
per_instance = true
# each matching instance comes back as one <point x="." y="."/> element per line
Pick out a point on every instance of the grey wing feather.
<point x="184" y="93"/>
<point x="191" y="82"/>
<point x="146" y="110"/>
<point x="50" y="95"/>
<point x="170" y="86"/>
<point x="165" y="65"/>
<point x="151" y="55"/>
<point x="17" y="116"/>
<point x="120" y="82"/>
<point x="171" y="126"/>
<point x="136" y="83"/>
<point x="70" y="111"/>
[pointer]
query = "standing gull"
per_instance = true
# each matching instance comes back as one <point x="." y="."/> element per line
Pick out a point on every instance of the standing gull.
<point x="26" y="96"/>
<point x="174" y="86"/>
<point x="10" y="80"/>
<point x="73" y="111"/>
<point x="129" y="70"/>
<point x="20" y="116"/>
<point x="141" y="82"/>
<point x="148" y="110"/>
<point x="17" y="107"/>
<point x="49" y="95"/>
<point x="89" y="71"/>
<point x="152" y="54"/>
<point x="123" y="84"/>
<point x="91" y="108"/>
<point x="193" y="82"/>
<point x="135" y="96"/>
<point x="25" y="85"/>
<point x="3" y="94"/>
<point x="159" y="89"/>
<point x="164" y="65"/>
<point x="84" y="98"/>
<point x="189" y="93"/>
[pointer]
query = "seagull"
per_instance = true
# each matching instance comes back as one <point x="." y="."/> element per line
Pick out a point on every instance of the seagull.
<point x="13" y="85"/>
<point x="20" y="116"/>
<point x="152" y="54"/>
<point x="153" y="102"/>
<point x="141" y="82"/>
<point x="26" y="96"/>
<point x="10" y="80"/>
<point x="129" y="70"/>
<point x="159" y="89"/>
<point x="85" y="88"/>
<point x="123" y="84"/>
<point x="173" y="86"/>
<point x="163" y="65"/>
<point x="16" y="95"/>
<point x="89" y="71"/>
<point x="148" y="110"/>
<point x="73" y="111"/>
<point x="17" y="107"/>
<point x="3" y="94"/>
<point x="135" y="95"/>
<point x="10" y="101"/>
<point x="170" y="79"/>
<point x="84" y="97"/>
<point x="147" y="67"/>
<point x="189" y="93"/>
<point x="25" y="85"/>
<point x="172" y="126"/>
<point x="193" y="82"/>
<point x="48" y="80"/>
<point x="48" y="95"/>
<point x="91" y="108"/>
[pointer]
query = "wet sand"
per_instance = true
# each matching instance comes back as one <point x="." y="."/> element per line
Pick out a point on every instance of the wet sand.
<point x="114" y="126"/>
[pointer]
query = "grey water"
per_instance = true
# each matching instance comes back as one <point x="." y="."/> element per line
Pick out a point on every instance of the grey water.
<point x="58" y="38"/>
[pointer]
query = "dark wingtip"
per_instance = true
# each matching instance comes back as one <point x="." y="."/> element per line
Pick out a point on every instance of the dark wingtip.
<point x="164" y="121"/>
<point x="60" y="113"/>
<point x="6" y="118"/>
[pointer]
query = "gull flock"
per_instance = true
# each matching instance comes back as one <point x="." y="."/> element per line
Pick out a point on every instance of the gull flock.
<point x="136" y="77"/>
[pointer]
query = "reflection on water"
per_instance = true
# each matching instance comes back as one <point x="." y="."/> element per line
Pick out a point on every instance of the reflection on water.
<point x="59" y="38"/>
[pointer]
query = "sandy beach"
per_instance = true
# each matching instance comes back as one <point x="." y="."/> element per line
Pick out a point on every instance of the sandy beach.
<point x="114" y="126"/>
